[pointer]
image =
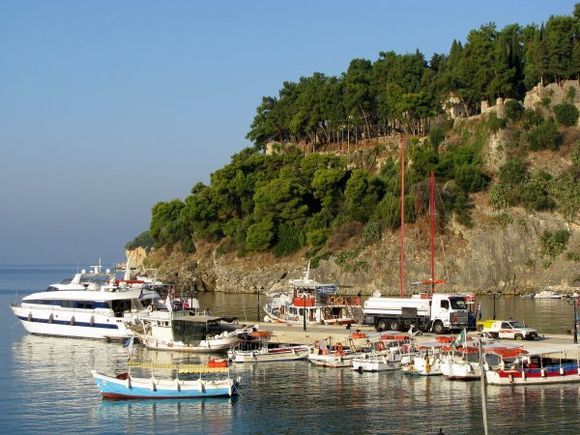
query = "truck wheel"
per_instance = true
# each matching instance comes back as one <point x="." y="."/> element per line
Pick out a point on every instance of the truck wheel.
<point x="519" y="337"/>
<point x="438" y="328"/>
<point x="394" y="325"/>
<point x="381" y="325"/>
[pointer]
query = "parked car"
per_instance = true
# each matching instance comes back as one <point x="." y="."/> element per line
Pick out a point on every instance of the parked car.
<point x="514" y="329"/>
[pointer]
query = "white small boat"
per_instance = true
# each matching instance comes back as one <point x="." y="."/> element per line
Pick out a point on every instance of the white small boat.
<point x="547" y="294"/>
<point x="183" y="331"/>
<point x="384" y="356"/>
<point x="330" y="356"/>
<point x="269" y="354"/>
<point x="425" y="361"/>
<point x="461" y="364"/>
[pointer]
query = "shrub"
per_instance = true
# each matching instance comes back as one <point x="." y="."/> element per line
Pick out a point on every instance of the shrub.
<point x="575" y="156"/>
<point x="531" y="119"/>
<point x="545" y="136"/>
<point x="289" y="240"/>
<point x="498" y="197"/>
<point x="546" y="101"/>
<point x="554" y="243"/>
<point x="494" y="123"/>
<point x="566" y="114"/>
<point x="514" y="171"/>
<point x="436" y="136"/>
<point x="513" y="110"/>
<point x="317" y="237"/>
<point x="534" y="195"/>
<point x="143" y="240"/>
<point x="260" y="235"/>
<point x="371" y="232"/>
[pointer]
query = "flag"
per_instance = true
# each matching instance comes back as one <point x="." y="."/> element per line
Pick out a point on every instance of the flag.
<point x="460" y="339"/>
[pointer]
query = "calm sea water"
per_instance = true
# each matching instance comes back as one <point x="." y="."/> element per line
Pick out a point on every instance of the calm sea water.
<point x="47" y="387"/>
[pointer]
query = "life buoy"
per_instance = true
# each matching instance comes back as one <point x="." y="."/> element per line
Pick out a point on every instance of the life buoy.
<point x="380" y="346"/>
<point x="339" y="349"/>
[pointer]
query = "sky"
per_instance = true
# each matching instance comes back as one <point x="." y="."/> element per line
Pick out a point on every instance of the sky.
<point x="108" y="107"/>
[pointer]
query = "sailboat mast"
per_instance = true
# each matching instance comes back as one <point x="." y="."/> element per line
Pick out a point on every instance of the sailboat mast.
<point x="402" y="235"/>
<point x="432" y="228"/>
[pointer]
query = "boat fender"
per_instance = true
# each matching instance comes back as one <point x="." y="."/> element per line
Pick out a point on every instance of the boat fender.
<point x="129" y="386"/>
<point x="523" y="375"/>
<point x="511" y="378"/>
<point x="92" y="321"/>
<point x="72" y="320"/>
<point x="561" y="371"/>
<point x="543" y="373"/>
<point x="153" y="386"/>
<point x="30" y="317"/>
<point x="177" y="385"/>
<point x="150" y="308"/>
<point x="51" y="318"/>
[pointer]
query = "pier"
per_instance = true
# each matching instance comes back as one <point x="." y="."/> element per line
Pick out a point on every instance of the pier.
<point x="295" y="334"/>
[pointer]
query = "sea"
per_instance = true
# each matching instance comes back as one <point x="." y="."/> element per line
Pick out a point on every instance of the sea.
<point x="46" y="384"/>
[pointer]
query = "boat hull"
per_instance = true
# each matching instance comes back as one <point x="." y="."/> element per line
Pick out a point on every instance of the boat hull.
<point x="331" y="360"/>
<point x="269" y="355"/>
<point x="71" y="324"/>
<point x="375" y="364"/>
<point x="143" y="388"/>
<point x="204" y="346"/>
<point x="549" y="375"/>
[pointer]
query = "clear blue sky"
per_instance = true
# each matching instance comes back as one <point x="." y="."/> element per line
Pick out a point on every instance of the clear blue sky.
<point x="107" y="107"/>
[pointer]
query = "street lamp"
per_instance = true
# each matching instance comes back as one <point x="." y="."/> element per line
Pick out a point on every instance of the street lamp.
<point x="575" y="303"/>
<point x="494" y="294"/>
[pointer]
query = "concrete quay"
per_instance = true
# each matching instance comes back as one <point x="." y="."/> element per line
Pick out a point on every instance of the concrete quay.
<point x="284" y="333"/>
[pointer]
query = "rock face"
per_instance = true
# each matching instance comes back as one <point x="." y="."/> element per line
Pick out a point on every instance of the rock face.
<point x="493" y="255"/>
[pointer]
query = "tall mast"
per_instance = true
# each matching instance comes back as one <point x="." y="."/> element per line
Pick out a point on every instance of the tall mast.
<point x="402" y="235"/>
<point x="432" y="228"/>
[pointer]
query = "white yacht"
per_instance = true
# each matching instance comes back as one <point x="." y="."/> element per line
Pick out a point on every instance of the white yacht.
<point x="79" y="313"/>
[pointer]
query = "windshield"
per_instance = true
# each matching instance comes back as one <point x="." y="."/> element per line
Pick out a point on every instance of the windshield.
<point x="518" y="324"/>
<point x="458" y="303"/>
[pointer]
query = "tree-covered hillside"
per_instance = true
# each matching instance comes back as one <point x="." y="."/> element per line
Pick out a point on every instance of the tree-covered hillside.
<point x="403" y="92"/>
<point x="286" y="199"/>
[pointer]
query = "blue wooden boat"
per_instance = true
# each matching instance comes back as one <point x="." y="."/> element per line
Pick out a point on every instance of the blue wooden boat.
<point x="126" y="386"/>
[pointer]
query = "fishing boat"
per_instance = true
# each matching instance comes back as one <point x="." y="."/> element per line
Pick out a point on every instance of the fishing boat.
<point x="185" y="331"/>
<point x="308" y="301"/>
<point x="127" y="386"/>
<point x="269" y="354"/>
<point x="519" y="367"/>
<point x="384" y="356"/>
<point x="260" y="349"/>
<point x="336" y="356"/>
<point x="80" y="313"/>
<point x="425" y="360"/>
<point x="461" y="363"/>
